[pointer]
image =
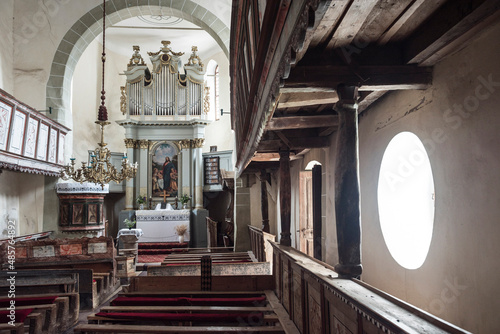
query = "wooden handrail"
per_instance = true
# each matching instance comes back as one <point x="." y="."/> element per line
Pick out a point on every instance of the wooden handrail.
<point x="314" y="296"/>
<point x="260" y="247"/>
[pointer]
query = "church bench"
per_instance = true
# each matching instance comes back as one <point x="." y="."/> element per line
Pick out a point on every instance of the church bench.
<point x="225" y="319"/>
<point x="49" y="316"/>
<point x="190" y="301"/>
<point x="16" y="328"/>
<point x="94" y="328"/>
<point x="205" y="309"/>
<point x="189" y="283"/>
<point x="73" y="303"/>
<point x="27" y="283"/>
<point x="34" y="322"/>
<point x="194" y="293"/>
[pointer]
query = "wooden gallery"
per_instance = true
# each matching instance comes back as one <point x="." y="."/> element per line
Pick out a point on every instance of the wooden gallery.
<point x="249" y="166"/>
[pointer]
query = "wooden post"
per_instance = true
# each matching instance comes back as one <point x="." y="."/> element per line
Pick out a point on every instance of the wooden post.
<point x="316" y="211"/>
<point x="347" y="203"/>
<point x="285" y="198"/>
<point x="263" y="201"/>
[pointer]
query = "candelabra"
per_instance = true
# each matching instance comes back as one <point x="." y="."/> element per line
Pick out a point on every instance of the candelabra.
<point x="99" y="169"/>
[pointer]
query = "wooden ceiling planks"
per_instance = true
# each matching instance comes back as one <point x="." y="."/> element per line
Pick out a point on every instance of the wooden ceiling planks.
<point x="368" y="43"/>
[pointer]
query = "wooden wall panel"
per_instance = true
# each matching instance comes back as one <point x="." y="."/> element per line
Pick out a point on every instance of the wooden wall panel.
<point x="341" y="312"/>
<point x="298" y="297"/>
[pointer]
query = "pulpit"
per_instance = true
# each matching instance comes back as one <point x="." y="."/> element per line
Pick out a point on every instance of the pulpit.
<point x="159" y="225"/>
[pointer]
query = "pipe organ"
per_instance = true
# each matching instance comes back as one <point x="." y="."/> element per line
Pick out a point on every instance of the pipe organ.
<point x="164" y="90"/>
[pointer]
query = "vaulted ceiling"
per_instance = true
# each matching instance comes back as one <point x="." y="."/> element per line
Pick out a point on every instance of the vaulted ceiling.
<point x="377" y="45"/>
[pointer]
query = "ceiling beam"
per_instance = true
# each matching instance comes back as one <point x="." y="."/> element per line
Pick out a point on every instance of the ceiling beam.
<point x="294" y="144"/>
<point x="301" y="122"/>
<point x="260" y="157"/>
<point x="300" y="99"/>
<point x="351" y="23"/>
<point x="437" y="33"/>
<point x="369" y="99"/>
<point x="367" y="78"/>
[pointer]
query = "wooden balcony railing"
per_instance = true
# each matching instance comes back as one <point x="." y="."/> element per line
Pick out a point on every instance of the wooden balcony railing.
<point x="260" y="247"/>
<point x="317" y="301"/>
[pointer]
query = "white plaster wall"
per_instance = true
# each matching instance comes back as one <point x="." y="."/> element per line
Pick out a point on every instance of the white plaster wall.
<point x="39" y="27"/>
<point x="7" y="46"/>
<point x="21" y="201"/>
<point x="219" y="132"/>
<point x="21" y="194"/>
<point x="459" y="279"/>
<point x="87" y="98"/>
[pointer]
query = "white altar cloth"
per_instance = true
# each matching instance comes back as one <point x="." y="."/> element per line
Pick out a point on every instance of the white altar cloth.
<point x="159" y="225"/>
<point x="132" y="231"/>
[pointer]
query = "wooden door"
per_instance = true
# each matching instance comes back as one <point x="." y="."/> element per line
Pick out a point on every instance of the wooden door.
<point x="305" y="232"/>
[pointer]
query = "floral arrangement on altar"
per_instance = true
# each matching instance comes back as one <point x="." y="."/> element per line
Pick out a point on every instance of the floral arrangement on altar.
<point x="129" y="223"/>
<point x="184" y="198"/>
<point x="181" y="229"/>
<point x="141" y="200"/>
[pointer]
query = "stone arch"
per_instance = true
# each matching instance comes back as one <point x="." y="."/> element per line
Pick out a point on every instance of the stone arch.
<point x="89" y="26"/>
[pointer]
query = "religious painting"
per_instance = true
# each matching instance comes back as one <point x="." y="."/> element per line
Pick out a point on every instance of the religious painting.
<point x="164" y="172"/>
<point x="29" y="147"/>
<point x="5" y="115"/>
<point x="60" y="152"/>
<point x="17" y="132"/>
<point x="43" y="139"/>
<point x="92" y="214"/>
<point x="52" y="146"/>
<point x="78" y="214"/>
<point x="64" y="214"/>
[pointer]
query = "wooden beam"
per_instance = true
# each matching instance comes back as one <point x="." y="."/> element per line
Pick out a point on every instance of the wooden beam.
<point x="369" y="99"/>
<point x="330" y="20"/>
<point x="301" y="122"/>
<point x="370" y="78"/>
<point x="284" y="139"/>
<point x="383" y="15"/>
<point x="462" y="41"/>
<point x="396" y="25"/>
<point x="437" y="33"/>
<point x="294" y="143"/>
<point x="263" y="157"/>
<point x="300" y="99"/>
<point x="351" y="23"/>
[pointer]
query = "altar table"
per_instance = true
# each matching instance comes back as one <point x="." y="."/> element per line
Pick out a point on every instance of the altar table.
<point x="159" y="225"/>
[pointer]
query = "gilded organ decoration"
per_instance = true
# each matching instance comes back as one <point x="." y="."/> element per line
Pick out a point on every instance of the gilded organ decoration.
<point x="168" y="89"/>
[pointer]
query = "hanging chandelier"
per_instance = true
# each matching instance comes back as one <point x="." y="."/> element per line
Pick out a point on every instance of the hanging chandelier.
<point x="99" y="169"/>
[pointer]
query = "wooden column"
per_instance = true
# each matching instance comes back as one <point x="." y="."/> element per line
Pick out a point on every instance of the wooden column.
<point x="347" y="204"/>
<point x="285" y="198"/>
<point x="316" y="206"/>
<point x="263" y="201"/>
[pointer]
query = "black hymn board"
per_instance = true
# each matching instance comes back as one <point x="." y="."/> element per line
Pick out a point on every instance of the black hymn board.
<point x="212" y="170"/>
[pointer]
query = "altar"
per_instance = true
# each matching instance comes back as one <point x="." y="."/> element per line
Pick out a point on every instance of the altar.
<point x="159" y="225"/>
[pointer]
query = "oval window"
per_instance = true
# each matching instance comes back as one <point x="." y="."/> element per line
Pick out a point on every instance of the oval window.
<point x="406" y="200"/>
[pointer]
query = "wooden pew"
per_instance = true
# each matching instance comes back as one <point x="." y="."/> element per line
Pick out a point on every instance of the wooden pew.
<point x="17" y="328"/>
<point x="193" y="283"/>
<point x="49" y="316"/>
<point x="73" y="304"/>
<point x="93" y="328"/>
